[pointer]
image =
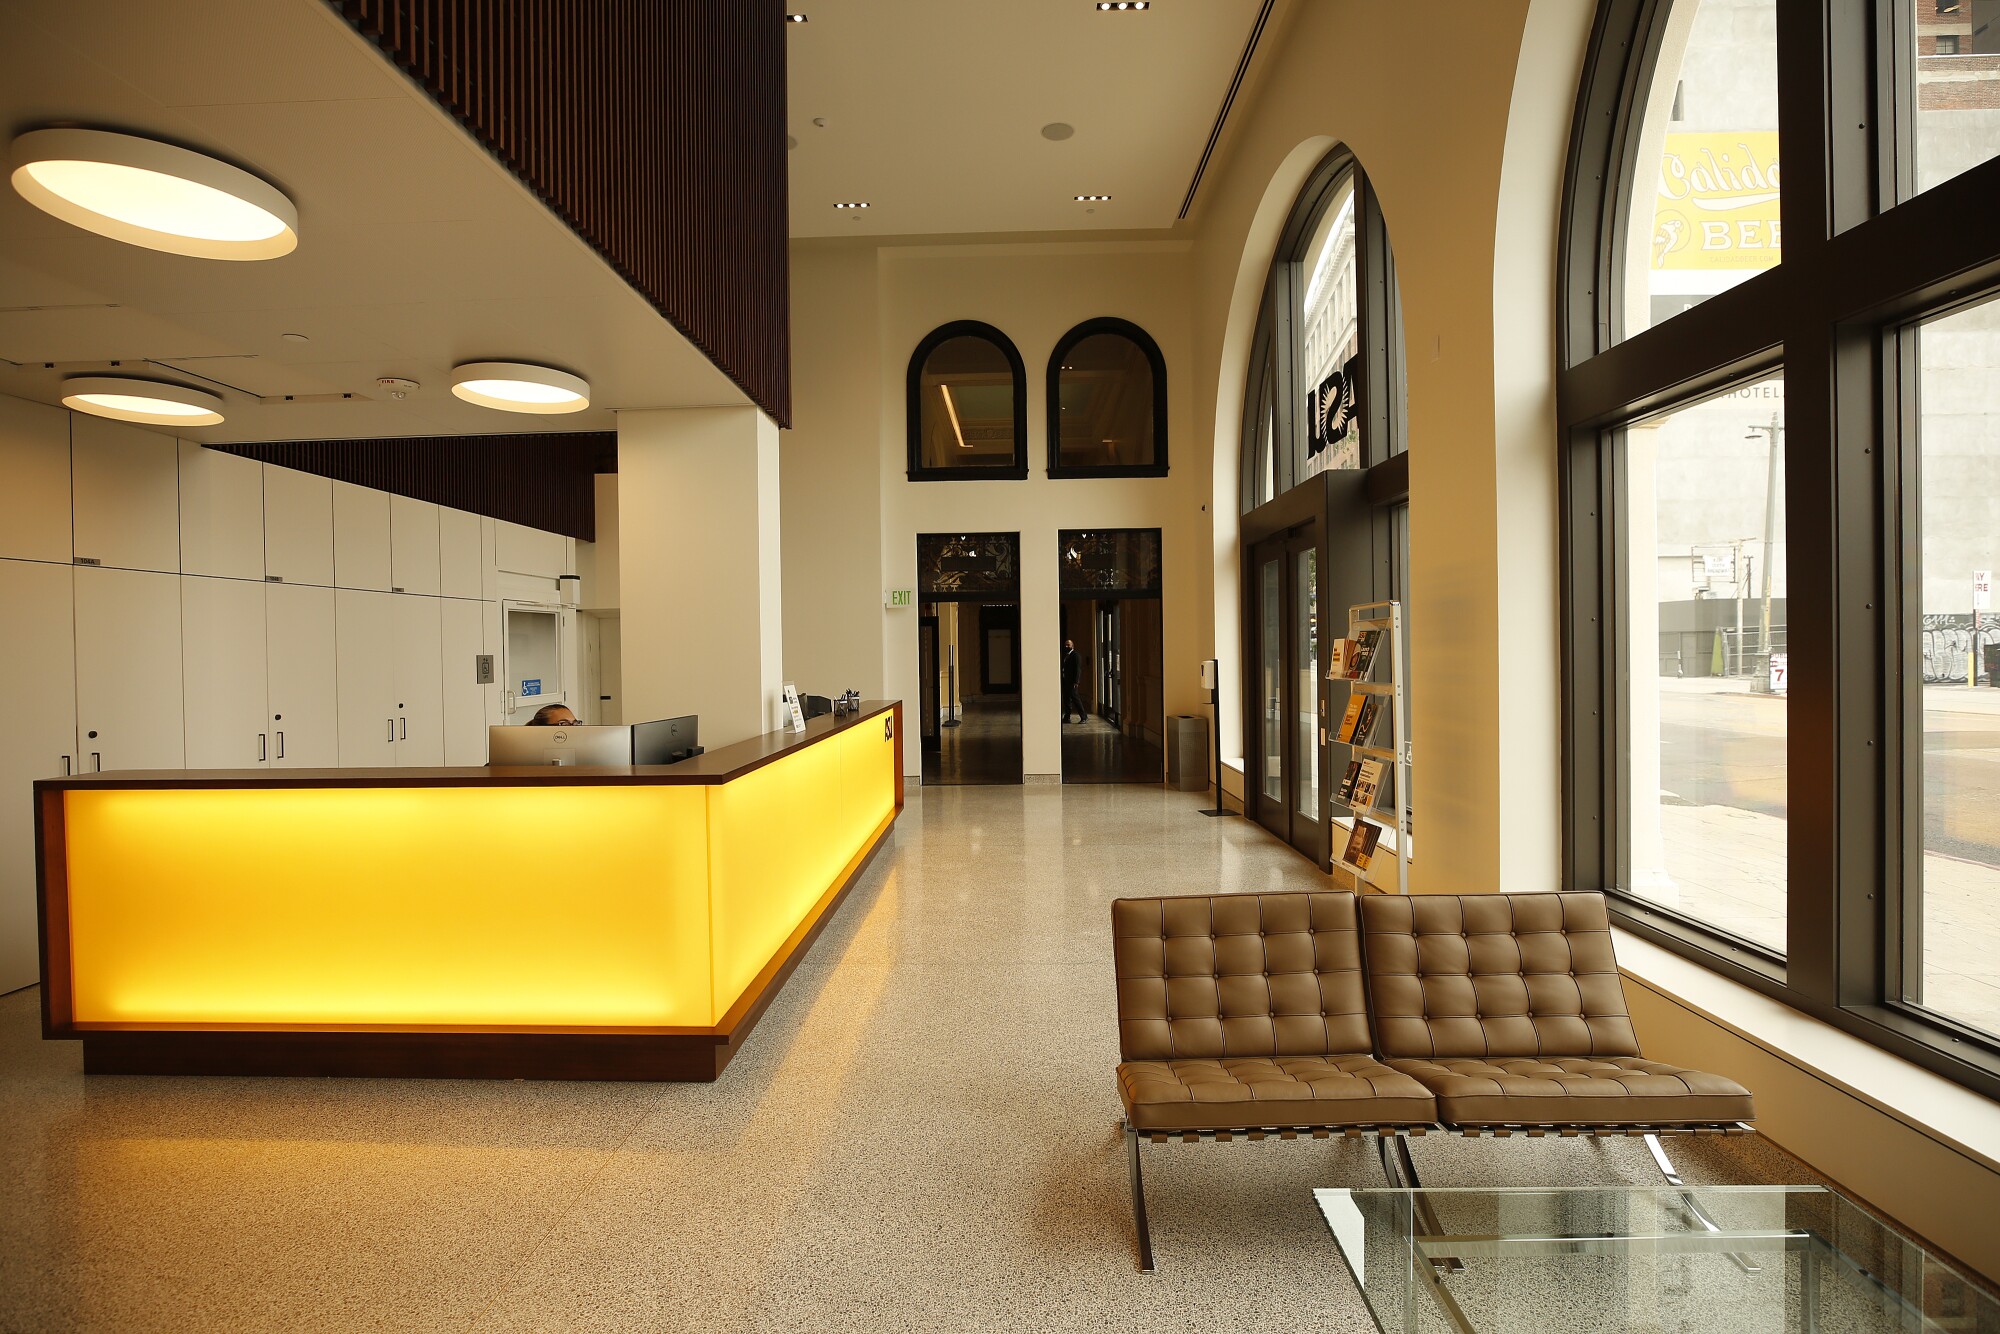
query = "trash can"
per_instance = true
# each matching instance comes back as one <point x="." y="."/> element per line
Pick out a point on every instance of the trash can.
<point x="1187" y="752"/>
<point x="1992" y="664"/>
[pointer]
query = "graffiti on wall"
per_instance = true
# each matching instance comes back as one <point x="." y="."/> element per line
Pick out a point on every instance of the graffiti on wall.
<point x="1949" y="644"/>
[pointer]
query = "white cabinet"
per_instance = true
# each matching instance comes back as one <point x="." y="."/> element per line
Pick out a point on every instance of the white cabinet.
<point x="34" y="460"/>
<point x="301" y="649"/>
<point x="458" y="555"/>
<point x="360" y="537"/>
<point x="298" y="526"/>
<point x="390" y="679"/>
<point x="366" y="684"/>
<point x="125" y="495"/>
<point x="522" y="550"/>
<point x="35" y="606"/>
<point x="222" y="513"/>
<point x="223" y="636"/>
<point x="464" y="696"/>
<point x="419" y="680"/>
<point x="128" y="670"/>
<point x="413" y="546"/>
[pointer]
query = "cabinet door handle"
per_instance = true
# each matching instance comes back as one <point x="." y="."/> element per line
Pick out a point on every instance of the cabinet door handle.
<point x="260" y="748"/>
<point x="281" y="745"/>
<point x="96" y="762"/>
<point x="65" y="766"/>
<point x="392" y="731"/>
<point x="406" y="729"/>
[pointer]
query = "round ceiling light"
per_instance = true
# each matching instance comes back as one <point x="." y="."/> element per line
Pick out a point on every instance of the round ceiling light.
<point x="155" y="195"/>
<point x="516" y="386"/>
<point x="148" y="402"/>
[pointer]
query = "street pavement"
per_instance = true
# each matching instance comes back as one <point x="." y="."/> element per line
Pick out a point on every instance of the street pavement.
<point x="1723" y="808"/>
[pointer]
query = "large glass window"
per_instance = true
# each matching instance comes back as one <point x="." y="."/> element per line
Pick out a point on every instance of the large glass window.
<point x="1107" y="403"/>
<point x="967" y="406"/>
<point x="1703" y="211"/>
<point x="1329" y="338"/>
<point x="1776" y="620"/>
<point x="1954" y="62"/>
<point x="1952" y="896"/>
<point x="1705" y="559"/>
<point x="1325" y="396"/>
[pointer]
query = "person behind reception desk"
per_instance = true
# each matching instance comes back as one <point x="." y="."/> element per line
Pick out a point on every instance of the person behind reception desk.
<point x="554" y="715"/>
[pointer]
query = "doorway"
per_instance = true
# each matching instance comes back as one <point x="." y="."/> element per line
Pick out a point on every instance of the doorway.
<point x="1288" y="743"/>
<point x="969" y="657"/>
<point x="1114" y="717"/>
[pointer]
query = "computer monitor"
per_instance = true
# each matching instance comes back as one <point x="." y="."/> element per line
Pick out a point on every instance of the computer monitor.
<point x="558" y="745"/>
<point x="667" y="741"/>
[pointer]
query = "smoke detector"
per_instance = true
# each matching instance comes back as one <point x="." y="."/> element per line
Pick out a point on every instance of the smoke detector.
<point x="397" y="387"/>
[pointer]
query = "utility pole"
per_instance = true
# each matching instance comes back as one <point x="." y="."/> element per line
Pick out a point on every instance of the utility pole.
<point x="1775" y="432"/>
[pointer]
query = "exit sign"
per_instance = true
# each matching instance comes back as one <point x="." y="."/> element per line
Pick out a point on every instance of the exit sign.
<point x="899" y="597"/>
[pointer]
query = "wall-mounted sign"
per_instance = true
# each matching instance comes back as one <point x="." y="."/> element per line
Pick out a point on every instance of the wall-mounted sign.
<point x="1982" y="590"/>
<point x="1779" y="661"/>
<point x="1718" y="202"/>
<point x="532" y="687"/>
<point x="899" y="597"/>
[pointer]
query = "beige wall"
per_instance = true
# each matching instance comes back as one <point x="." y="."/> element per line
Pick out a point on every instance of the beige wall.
<point x="858" y="312"/>
<point x="1474" y="613"/>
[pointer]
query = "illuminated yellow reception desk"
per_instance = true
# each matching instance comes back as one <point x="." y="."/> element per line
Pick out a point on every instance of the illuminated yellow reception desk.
<point x="563" y="923"/>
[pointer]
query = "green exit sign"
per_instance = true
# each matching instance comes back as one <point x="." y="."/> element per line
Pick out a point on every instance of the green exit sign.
<point x="900" y="597"/>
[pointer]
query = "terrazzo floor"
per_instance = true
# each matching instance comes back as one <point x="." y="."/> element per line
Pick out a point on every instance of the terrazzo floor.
<point x="919" y="1136"/>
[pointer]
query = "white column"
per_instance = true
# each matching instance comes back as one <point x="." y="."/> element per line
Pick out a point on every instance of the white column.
<point x="700" y="595"/>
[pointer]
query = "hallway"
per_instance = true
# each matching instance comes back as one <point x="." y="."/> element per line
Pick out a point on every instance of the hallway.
<point x="918" y="1136"/>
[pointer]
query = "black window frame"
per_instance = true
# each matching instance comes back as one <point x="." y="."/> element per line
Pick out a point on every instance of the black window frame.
<point x="1108" y="324"/>
<point x="1864" y="257"/>
<point x="1016" y="469"/>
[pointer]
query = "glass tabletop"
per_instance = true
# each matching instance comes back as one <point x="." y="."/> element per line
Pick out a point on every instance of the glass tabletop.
<point x="1666" y="1259"/>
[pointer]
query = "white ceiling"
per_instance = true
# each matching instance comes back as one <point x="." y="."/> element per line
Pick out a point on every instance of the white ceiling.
<point x="417" y="250"/>
<point x="934" y="111"/>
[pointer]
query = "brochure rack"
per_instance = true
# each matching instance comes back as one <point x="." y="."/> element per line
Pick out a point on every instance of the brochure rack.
<point x="1383" y="737"/>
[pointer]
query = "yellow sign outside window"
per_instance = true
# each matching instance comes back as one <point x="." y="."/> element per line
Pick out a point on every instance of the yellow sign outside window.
<point x="1718" y="202"/>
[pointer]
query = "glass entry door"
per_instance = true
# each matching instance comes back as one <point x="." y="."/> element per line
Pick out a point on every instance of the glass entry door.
<point x="1288" y="741"/>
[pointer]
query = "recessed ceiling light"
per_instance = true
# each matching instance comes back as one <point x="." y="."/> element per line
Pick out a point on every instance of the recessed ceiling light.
<point x="795" y="18"/>
<point x="151" y="194"/>
<point x="148" y="402"/>
<point x="1123" y="4"/>
<point x="516" y="386"/>
<point x="858" y="204"/>
<point x="1091" y="199"/>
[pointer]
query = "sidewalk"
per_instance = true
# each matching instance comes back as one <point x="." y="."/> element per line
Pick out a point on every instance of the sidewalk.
<point x="1984" y="700"/>
<point x="1726" y="867"/>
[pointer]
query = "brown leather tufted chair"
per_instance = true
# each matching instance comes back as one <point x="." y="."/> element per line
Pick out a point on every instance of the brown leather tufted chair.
<point x="1510" y="1009"/>
<point x="1247" y="1013"/>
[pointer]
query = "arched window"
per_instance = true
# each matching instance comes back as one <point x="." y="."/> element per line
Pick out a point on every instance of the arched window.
<point x="1325" y="496"/>
<point x="968" y="406"/>
<point x="1326" y="371"/>
<point x="1107" y="402"/>
<point x="1779" y="397"/>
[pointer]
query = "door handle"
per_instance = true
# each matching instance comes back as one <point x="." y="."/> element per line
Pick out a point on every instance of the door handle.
<point x="406" y="729"/>
<point x="65" y="766"/>
<point x="392" y="730"/>
<point x="260" y="748"/>
<point x="281" y="745"/>
<point x="97" y="762"/>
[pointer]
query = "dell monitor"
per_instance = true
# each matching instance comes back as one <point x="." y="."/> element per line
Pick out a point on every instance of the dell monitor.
<point x="668" y="741"/>
<point x="558" y="745"/>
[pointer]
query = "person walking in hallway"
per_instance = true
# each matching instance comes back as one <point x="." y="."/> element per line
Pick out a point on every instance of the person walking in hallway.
<point x="1072" y="672"/>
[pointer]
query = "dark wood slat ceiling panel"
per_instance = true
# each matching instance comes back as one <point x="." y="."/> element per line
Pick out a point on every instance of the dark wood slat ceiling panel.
<point x="654" y="128"/>
<point x="543" y="481"/>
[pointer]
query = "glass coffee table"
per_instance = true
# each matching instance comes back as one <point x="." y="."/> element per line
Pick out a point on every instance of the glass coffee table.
<point x="1699" y="1259"/>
